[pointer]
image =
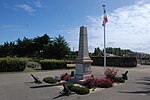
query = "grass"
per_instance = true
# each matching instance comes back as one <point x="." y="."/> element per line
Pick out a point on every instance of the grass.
<point x="29" y="69"/>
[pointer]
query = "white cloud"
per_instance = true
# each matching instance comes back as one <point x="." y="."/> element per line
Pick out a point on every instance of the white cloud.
<point x="37" y="3"/>
<point x="26" y="7"/>
<point x="128" y="28"/>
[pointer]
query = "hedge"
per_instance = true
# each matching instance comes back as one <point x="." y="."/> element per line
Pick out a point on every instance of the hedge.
<point x="9" y="64"/>
<point x="115" y="61"/>
<point x="119" y="80"/>
<point x="78" y="89"/>
<point x="50" y="80"/>
<point x="53" y="64"/>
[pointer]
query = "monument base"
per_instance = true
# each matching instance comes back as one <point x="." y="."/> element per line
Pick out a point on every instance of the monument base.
<point x="82" y="70"/>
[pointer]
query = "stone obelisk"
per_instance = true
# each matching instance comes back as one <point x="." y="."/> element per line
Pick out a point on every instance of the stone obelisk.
<point x="83" y="61"/>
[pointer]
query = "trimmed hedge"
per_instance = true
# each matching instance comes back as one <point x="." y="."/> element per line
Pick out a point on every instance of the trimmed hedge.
<point x="115" y="61"/>
<point x="53" y="64"/>
<point x="9" y="64"/>
<point x="78" y="89"/>
<point x="119" y="80"/>
<point x="50" y="80"/>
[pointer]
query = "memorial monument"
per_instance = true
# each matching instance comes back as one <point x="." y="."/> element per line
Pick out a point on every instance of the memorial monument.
<point x="83" y="61"/>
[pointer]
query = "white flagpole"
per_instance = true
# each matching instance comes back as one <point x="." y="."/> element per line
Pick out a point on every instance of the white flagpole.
<point x="104" y="40"/>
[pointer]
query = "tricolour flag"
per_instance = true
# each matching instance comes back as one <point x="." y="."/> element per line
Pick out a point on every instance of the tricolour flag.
<point x="105" y="19"/>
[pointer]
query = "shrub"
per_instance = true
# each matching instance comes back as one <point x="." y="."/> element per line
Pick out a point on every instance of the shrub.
<point x="89" y="81"/>
<point x="9" y="64"/>
<point x="72" y="87"/>
<point x="53" y="64"/>
<point x="119" y="80"/>
<point x="50" y="80"/>
<point x="103" y="82"/>
<point x="78" y="89"/>
<point x="115" y="61"/>
<point x="111" y="73"/>
<point x="82" y="90"/>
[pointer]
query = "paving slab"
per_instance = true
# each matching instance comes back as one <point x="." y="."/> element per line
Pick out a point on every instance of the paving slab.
<point x="18" y="86"/>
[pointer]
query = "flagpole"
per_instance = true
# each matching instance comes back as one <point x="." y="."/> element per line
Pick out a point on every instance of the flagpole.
<point x="104" y="41"/>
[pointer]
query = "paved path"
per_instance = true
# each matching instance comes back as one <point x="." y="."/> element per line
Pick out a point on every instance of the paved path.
<point x="17" y="86"/>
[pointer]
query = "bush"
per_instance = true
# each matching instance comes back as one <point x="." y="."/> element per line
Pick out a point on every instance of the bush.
<point x="115" y="61"/>
<point x="82" y="90"/>
<point x="53" y="64"/>
<point x="50" y="80"/>
<point x="89" y="81"/>
<point x="119" y="80"/>
<point x="78" y="89"/>
<point x="71" y="87"/>
<point x="103" y="82"/>
<point x="111" y="73"/>
<point x="9" y="64"/>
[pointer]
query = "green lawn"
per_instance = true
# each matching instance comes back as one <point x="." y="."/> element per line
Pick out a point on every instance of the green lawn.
<point x="27" y="69"/>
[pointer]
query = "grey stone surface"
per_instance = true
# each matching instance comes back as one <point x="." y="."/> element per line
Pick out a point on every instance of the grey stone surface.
<point x="83" y="61"/>
<point x="17" y="86"/>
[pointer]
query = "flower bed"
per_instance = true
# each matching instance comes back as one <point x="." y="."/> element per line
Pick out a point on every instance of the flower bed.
<point x="50" y="80"/>
<point x="78" y="89"/>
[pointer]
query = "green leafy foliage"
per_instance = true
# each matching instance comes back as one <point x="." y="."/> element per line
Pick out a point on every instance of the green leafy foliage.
<point x="115" y="61"/>
<point x="82" y="90"/>
<point x="9" y="64"/>
<point x="78" y="89"/>
<point x="38" y="47"/>
<point x="119" y="80"/>
<point x="50" y="80"/>
<point x="52" y="64"/>
<point x="110" y="50"/>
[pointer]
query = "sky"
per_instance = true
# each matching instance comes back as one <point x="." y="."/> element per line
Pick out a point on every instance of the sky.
<point x="128" y="21"/>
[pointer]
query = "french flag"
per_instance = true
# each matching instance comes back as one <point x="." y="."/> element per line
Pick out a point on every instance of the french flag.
<point x="105" y="19"/>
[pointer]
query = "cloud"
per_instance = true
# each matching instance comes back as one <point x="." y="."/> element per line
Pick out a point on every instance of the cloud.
<point x="26" y="7"/>
<point x="128" y="27"/>
<point x="31" y="6"/>
<point x="38" y="3"/>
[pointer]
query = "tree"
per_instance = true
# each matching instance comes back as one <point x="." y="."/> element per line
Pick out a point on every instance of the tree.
<point x="60" y="47"/>
<point x="97" y="52"/>
<point x="8" y="49"/>
<point x="39" y="47"/>
<point x="40" y="43"/>
<point x="48" y="51"/>
<point x="110" y="50"/>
